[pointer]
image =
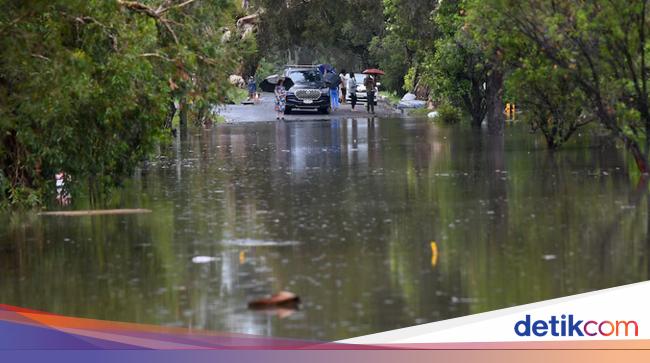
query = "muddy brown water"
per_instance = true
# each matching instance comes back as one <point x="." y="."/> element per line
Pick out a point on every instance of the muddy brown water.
<point x="344" y="214"/>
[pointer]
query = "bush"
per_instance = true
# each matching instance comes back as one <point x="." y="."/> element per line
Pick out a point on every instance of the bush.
<point x="419" y="112"/>
<point x="448" y="114"/>
<point x="266" y="68"/>
<point x="85" y="87"/>
<point x="392" y="97"/>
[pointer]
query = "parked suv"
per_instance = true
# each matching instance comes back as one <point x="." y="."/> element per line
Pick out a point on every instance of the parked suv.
<point x="308" y="90"/>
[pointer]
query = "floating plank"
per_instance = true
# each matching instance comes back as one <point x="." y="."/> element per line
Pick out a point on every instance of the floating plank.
<point x="281" y="299"/>
<point x="96" y="212"/>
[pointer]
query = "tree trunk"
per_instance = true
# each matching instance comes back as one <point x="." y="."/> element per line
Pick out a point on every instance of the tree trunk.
<point x="476" y="103"/>
<point x="171" y="112"/>
<point x="477" y="120"/>
<point x="647" y="233"/>
<point x="183" y="113"/>
<point x="639" y="156"/>
<point x="495" y="100"/>
<point x="202" y="117"/>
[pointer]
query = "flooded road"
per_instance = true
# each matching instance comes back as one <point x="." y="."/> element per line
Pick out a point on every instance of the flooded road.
<point x="376" y="224"/>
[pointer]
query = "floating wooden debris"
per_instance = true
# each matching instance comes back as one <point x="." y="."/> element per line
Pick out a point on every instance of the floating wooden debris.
<point x="97" y="212"/>
<point x="281" y="299"/>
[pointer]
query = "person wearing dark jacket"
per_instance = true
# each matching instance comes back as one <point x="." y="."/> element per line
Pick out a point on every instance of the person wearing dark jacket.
<point x="370" y="85"/>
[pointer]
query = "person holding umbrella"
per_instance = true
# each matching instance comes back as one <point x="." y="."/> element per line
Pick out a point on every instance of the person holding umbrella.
<point x="280" y="99"/>
<point x="371" y="87"/>
<point x="369" y="83"/>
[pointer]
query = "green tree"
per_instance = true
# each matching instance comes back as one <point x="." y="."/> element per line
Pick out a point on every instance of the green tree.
<point x="553" y="103"/>
<point x="84" y="85"/>
<point x="599" y="47"/>
<point x="408" y="38"/>
<point x="458" y="70"/>
<point x="318" y="31"/>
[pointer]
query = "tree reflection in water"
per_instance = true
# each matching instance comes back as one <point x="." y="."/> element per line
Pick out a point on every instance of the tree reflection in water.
<point x="363" y="199"/>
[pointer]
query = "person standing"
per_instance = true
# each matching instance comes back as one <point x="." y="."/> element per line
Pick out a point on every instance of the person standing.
<point x="280" y="99"/>
<point x="344" y="84"/>
<point x="352" y="88"/>
<point x="252" y="88"/>
<point x="369" y="83"/>
<point x="334" y="91"/>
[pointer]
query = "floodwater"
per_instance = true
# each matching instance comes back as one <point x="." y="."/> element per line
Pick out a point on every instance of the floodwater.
<point x="375" y="224"/>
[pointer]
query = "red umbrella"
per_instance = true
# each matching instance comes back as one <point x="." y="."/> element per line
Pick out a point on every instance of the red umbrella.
<point x="374" y="71"/>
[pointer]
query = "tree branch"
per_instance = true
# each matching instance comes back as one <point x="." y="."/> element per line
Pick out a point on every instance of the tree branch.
<point x="140" y="8"/>
<point x="164" y="10"/>
<point x="157" y="55"/>
<point x="40" y="56"/>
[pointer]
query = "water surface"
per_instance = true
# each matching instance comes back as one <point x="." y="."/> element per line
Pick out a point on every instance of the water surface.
<point x="344" y="214"/>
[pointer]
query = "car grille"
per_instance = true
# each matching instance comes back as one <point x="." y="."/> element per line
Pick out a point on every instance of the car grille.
<point x="308" y="94"/>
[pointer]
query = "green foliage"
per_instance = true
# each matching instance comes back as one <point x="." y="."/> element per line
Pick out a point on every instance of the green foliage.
<point x="407" y="40"/>
<point x="458" y="70"/>
<point x="553" y="103"/>
<point x="592" y="54"/>
<point x="448" y="114"/>
<point x="410" y="80"/>
<point x="392" y="59"/>
<point x="266" y="68"/>
<point x="319" y="31"/>
<point x="84" y="85"/>
<point x="419" y="112"/>
<point x="392" y="97"/>
<point x="236" y="95"/>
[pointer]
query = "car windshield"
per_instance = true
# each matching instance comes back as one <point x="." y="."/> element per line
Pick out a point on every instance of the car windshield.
<point x="359" y="78"/>
<point x="305" y="76"/>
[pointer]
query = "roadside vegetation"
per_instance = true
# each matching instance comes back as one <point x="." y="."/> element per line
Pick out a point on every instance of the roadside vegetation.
<point x="391" y="97"/>
<point x="565" y="64"/>
<point x="88" y="88"/>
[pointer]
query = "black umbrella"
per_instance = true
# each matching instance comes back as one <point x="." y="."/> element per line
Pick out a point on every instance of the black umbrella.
<point x="268" y="85"/>
<point x="332" y="80"/>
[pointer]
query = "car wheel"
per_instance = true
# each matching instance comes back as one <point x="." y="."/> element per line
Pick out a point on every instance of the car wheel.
<point x="287" y="110"/>
<point x="325" y="110"/>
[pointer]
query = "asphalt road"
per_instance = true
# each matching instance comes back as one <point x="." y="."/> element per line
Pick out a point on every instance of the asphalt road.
<point x="264" y="110"/>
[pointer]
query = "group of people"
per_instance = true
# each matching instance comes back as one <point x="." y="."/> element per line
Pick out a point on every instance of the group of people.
<point x="349" y="83"/>
<point x="338" y="92"/>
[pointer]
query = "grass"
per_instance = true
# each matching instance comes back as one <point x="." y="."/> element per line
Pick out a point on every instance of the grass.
<point x="392" y="97"/>
<point x="419" y="112"/>
<point x="176" y="121"/>
<point x="219" y="119"/>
